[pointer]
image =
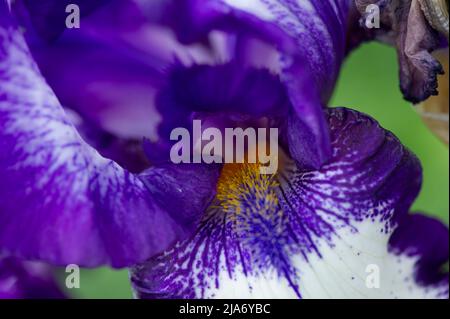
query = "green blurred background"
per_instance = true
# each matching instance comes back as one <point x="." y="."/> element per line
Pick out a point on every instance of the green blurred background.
<point x="368" y="83"/>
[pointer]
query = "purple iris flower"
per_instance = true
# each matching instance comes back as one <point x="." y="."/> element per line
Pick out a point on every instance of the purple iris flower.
<point x="27" y="280"/>
<point x="77" y="188"/>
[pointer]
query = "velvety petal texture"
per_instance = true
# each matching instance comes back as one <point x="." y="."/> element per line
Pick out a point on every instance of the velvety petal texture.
<point x="60" y="201"/>
<point x="315" y="30"/>
<point x="27" y="280"/>
<point x="404" y="24"/>
<point x="339" y="232"/>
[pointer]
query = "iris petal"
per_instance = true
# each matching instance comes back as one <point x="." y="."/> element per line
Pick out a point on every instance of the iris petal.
<point x="60" y="200"/>
<point x="49" y="16"/>
<point x="109" y="69"/>
<point x="309" y="233"/>
<point x="318" y="28"/>
<point x="301" y="41"/>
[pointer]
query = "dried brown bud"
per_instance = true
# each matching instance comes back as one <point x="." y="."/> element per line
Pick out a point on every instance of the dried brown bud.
<point x="434" y="111"/>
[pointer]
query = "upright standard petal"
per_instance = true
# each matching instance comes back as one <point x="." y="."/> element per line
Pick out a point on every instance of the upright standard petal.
<point x="339" y="232"/>
<point x="225" y="95"/>
<point x="301" y="41"/>
<point x="315" y="29"/>
<point x="110" y="68"/>
<point x="60" y="201"/>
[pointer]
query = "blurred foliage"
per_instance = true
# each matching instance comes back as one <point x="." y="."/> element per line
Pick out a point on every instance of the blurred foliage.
<point x="368" y="83"/>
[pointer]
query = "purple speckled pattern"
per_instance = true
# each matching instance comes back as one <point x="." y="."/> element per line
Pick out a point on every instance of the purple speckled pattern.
<point x="27" y="280"/>
<point x="370" y="176"/>
<point x="75" y="206"/>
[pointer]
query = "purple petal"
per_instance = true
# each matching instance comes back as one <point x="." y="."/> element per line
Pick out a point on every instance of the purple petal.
<point x="226" y="95"/>
<point x="177" y="188"/>
<point x="286" y="37"/>
<point x="110" y="69"/>
<point x="315" y="30"/>
<point x="307" y="130"/>
<point x="230" y="93"/>
<point x="27" y="280"/>
<point x="303" y="41"/>
<point x="226" y="88"/>
<point x="307" y="233"/>
<point x="60" y="201"/>
<point x="426" y="239"/>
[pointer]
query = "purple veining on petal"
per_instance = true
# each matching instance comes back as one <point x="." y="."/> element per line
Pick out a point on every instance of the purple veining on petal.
<point x="60" y="200"/>
<point x="371" y="179"/>
<point x="251" y="240"/>
<point x="21" y="279"/>
<point x="358" y="183"/>
<point x="304" y="42"/>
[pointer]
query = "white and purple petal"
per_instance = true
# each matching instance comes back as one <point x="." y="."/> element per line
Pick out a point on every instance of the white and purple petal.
<point x="303" y="42"/>
<point x="315" y="30"/>
<point x="225" y="95"/>
<point x="312" y="233"/>
<point x="60" y="201"/>
<point x="109" y="69"/>
<point x="127" y="152"/>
